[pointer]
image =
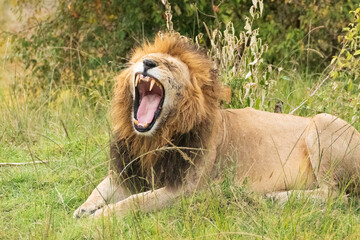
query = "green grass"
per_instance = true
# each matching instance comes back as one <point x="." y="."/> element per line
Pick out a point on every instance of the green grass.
<point x="72" y="135"/>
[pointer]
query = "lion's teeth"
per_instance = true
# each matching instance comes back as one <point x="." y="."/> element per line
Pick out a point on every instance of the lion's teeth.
<point x="137" y="80"/>
<point x="137" y="123"/>
<point x="152" y="83"/>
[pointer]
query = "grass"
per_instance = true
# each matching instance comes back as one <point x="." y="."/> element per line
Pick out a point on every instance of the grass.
<point x="37" y="200"/>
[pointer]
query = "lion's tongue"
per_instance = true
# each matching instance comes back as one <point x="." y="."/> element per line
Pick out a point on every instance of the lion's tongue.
<point x="147" y="108"/>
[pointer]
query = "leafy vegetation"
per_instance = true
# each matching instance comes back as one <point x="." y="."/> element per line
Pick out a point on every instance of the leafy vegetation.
<point x="79" y="42"/>
<point x="54" y="105"/>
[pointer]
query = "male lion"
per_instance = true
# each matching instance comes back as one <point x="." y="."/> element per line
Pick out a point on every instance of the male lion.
<point x="171" y="137"/>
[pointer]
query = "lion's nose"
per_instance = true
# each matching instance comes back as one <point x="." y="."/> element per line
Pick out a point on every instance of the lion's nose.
<point x="148" y="64"/>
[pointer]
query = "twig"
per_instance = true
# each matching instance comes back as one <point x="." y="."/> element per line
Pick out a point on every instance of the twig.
<point x="21" y="164"/>
<point x="66" y="132"/>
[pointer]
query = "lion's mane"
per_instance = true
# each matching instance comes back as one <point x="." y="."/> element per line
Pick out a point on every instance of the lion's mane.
<point x="187" y="127"/>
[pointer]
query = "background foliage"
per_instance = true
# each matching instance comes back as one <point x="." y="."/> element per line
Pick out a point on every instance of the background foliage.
<point x="80" y="42"/>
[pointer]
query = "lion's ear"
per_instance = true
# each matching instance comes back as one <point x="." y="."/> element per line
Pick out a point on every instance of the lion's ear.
<point x="225" y="94"/>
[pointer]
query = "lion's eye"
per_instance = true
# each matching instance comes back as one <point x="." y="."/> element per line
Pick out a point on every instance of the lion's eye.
<point x="169" y="65"/>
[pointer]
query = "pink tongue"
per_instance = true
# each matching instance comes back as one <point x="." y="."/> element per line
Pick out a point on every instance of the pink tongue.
<point x="147" y="108"/>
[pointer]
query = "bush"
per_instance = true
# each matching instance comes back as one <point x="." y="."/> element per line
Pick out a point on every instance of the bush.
<point x="345" y="73"/>
<point x="81" y="42"/>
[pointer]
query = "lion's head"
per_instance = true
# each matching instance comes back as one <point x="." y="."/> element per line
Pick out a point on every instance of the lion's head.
<point x="168" y="88"/>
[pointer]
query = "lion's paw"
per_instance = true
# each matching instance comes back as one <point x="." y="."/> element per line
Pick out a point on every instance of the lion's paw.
<point x="281" y="197"/>
<point x="98" y="213"/>
<point x="105" y="211"/>
<point x="83" y="211"/>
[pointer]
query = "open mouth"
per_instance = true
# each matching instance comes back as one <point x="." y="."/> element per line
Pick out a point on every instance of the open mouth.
<point x="149" y="98"/>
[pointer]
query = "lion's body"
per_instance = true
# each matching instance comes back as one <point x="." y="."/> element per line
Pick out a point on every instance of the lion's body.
<point x="269" y="149"/>
<point x="191" y="140"/>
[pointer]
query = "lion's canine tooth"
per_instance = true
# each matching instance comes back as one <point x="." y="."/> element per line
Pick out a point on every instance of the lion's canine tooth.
<point x="137" y="80"/>
<point x="145" y="125"/>
<point x="152" y="83"/>
<point x="136" y="122"/>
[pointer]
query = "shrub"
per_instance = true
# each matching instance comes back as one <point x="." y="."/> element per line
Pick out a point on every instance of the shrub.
<point x="345" y="75"/>
<point x="80" y="42"/>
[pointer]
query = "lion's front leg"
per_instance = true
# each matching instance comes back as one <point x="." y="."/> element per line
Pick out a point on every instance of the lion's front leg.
<point x="107" y="191"/>
<point x="146" y="202"/>
<point x="322" y="193"/>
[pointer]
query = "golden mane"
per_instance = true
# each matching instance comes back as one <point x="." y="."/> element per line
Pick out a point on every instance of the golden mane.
<point x="195" y="110"/>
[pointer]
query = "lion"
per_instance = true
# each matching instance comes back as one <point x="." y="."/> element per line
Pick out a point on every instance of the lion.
<point x="171" y="136"/>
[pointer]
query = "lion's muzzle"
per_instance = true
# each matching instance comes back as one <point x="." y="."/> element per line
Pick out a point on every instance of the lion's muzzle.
<point x="149" y="98"/>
